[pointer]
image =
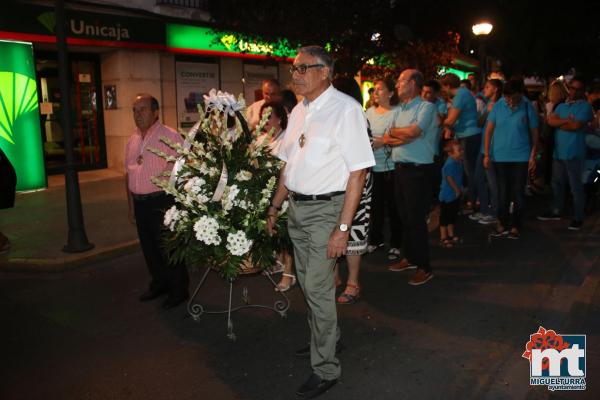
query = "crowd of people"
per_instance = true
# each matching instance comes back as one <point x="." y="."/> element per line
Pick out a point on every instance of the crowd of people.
<point x="499" y="139"/>
<point x="419" y="145"/>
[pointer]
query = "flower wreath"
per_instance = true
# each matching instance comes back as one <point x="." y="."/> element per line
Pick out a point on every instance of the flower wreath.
<point x="222" y="182"/>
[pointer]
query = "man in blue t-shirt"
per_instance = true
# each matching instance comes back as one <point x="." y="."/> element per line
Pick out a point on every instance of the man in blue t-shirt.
<point x="570" y="119"/>
<point x="412" y="152"/>
<point x="431" y="93"/>
<point x="463" y="123"/>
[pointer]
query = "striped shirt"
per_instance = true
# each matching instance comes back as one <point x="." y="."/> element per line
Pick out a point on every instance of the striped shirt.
<point x="141" y="164"/>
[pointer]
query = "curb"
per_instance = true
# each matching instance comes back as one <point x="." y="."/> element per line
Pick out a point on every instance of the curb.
<point x="72" y="261"/>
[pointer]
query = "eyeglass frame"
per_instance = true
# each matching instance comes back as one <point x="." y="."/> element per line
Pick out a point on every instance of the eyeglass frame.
<point x="303" y="68"/>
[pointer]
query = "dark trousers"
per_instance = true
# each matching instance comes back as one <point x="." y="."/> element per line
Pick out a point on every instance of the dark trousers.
<point x="384" y="200"/>
<point x="436" y="178"/>
<point x="471" y="146"/>
<point x="563" y="171"/>
<point x="448" y="212"/>
<point x="149" y="217"/>
<point x="512" y="178"/>
<point x="413" y="196"/>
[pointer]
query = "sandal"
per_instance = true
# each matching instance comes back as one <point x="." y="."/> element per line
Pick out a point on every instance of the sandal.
<point x="348" y="298"/>
<point x="455" y="239"/>
<point x="275" y="268"/>
<point x="447" y="243"/>
<point x="284" y="288"/>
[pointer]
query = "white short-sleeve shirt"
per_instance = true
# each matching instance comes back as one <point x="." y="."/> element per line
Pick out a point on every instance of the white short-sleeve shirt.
<point x="253" y="113"/>
<point x="336" y="143"/>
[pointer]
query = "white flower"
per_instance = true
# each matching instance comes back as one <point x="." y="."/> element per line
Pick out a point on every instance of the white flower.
<point x="243" y="175"/>
<point x="213" y="171"/>
<point x="223" y="102"/>
<point x="284" y="207"/>
<point x="207" y="230"/>
<point x="169" y="216"/>
<point x="204" y="168"/>
<point x="228" y="199"/>
<point x="173" y="216"/>
<point x="243" y="204"/>
<point x="237" y="243"/>
<point x="194" y="185"/>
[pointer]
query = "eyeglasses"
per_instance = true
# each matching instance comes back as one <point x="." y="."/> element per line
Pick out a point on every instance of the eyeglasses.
<point x="302" y="68"/>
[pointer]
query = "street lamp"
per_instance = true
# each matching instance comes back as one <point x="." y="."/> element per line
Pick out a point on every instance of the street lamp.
<point x="482" y="29"/>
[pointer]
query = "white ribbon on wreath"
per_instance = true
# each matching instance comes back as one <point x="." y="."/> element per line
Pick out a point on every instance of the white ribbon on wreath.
<point x="223" y="102"/>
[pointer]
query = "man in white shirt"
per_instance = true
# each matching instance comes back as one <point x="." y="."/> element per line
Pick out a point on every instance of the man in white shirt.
<point x="326" y="150"/>
<point x="271" y="91"/>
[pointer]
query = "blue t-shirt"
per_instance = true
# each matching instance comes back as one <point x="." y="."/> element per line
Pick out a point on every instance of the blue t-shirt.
<point x="511" y="141"/>
<point x="466" y="124"/>
<point x="424" y="115"/>
<point x="570" y="145"/>
<point x="379" y="123"/>
<point x="442" y="109"/>
<point x="453" y="168"/>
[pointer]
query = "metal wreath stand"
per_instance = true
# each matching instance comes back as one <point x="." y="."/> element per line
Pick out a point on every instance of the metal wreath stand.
<point x="196" y="310"/>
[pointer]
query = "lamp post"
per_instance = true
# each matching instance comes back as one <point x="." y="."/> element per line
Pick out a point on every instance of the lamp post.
<point x="77" y="241"/>
<point x="481" y="30"/>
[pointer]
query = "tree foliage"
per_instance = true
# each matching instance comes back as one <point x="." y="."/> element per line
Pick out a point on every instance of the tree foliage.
<point x="528" y="37"/>
<point x="354" y="35"/>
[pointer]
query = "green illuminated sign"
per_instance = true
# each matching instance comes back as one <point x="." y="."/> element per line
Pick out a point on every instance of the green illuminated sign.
<point x="20" y="136"/>
<point x="205" y="39"/>
<point x="448" y="70"/>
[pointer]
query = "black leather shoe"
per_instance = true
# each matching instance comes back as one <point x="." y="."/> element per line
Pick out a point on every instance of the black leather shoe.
<point x="174" y="301"/>
<point x="305" y="351"/>
<point x="315" y="386"/>
<point x="152" y="294"/>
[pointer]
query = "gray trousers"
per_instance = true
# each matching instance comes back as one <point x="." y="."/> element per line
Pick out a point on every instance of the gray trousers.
<point x="310" y="224"/>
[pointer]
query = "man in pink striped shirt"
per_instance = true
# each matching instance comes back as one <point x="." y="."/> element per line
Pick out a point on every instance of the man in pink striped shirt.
<point x="147" y="202"/>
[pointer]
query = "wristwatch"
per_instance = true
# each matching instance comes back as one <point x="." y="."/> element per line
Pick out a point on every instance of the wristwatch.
<point x="343" y="227"/>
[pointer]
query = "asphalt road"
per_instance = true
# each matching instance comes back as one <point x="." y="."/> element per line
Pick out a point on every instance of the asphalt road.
<point x="82" y="334"/>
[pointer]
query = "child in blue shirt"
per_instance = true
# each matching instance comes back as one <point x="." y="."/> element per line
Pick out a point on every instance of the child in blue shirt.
<point x="452" y="174"/>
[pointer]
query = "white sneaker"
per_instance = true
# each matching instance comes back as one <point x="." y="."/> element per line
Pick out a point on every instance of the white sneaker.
<point x="393" y="254"/>
<point x="476" y="216"/>
<point x="487" y="220"/>
<point x="372" y="247"/>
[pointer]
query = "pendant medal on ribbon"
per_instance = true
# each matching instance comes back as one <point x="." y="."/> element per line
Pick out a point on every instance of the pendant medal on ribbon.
<point x="302" y="140"/>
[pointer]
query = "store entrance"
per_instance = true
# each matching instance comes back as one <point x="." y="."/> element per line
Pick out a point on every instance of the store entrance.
<point x="85" y="112"/>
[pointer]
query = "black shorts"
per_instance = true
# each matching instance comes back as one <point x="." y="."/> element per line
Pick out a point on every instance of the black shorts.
<point x="448" y="212"/>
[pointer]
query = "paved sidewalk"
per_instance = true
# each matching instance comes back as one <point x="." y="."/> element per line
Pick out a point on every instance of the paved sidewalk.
<point x="37" y="226"/>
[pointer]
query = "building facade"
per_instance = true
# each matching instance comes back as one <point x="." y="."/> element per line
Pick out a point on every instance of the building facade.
<point x="116" y="53"/>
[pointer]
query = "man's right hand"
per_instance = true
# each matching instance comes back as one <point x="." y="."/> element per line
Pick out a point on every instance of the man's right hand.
<point x="447" y="134"/>
<point x="486" y="162"/>
<point x="271" y="221"/>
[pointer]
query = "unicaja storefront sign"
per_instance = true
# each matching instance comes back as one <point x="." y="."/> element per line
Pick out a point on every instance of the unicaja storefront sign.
<point x="105" y="27"/>
<point x="116" y="32"/>
<point x="36" y="23"/>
